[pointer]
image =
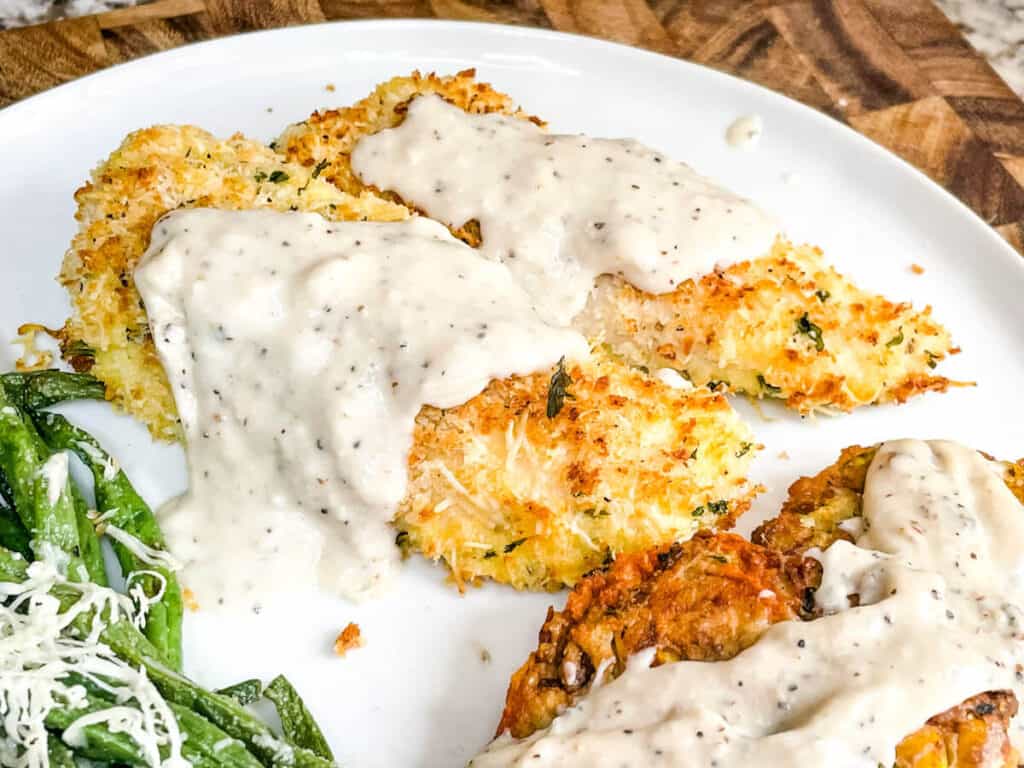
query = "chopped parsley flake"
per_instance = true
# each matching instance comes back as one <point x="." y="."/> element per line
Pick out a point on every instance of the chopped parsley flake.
<point x="771" y="389"/>
<point x="512" y="545"/>
<point x="558" y="390"/>
<point x="812" y="331"/>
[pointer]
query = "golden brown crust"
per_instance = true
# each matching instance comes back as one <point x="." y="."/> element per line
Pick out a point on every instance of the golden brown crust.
<point x="705" y="599"/>
<point x="786" y="326"/>
<point x="499" y="490"/>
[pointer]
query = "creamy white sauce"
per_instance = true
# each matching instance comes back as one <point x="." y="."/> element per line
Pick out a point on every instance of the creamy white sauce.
<point x="938" y="575"/>
<point x="744" y="132"/>
<point x="561" y="210"/>
<point x="299" y="352"/>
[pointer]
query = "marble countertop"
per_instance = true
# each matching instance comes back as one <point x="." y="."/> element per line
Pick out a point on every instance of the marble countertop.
<point x="994" y="27"/>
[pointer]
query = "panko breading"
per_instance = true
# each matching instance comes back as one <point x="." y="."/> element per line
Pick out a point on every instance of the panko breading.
<point x="784" y="326"/>
<point x="496" y="488"/>
<point x="713" y="596"/>
<point x="499" y="490"/>
<point x="331" y="135"/>
<point x="154" y="171"/>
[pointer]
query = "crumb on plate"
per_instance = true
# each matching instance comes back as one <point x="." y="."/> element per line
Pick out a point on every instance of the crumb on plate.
<point x="349" y="638"/>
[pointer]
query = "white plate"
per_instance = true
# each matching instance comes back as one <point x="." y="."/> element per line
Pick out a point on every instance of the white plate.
<point x="420" y="693"/>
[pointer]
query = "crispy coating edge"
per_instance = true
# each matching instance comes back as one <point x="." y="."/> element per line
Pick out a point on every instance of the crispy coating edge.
<point x="705" y="599"/>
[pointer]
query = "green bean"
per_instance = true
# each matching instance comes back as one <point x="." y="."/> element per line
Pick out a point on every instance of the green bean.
<point x="298" y="724"/>
<point x="13" y="567"/>
<point x="6" y="494"/>
<point x="22" y="459"/>
<point x="187" y="698"/>
<point x="41" y="389"/>
<point x="13" y="535"/>
<point x="223" y="711"/>
<point x="245" y="692"/>
<point x="203" y="744"/>
<point x="118" y="501"/>
<point x="58" y="753"/>
<point x="88" y="541"/>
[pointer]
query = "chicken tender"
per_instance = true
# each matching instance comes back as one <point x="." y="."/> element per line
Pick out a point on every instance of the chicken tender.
<point x="497" y="489"/>
<point x="713" y="596"/>
<point x="785" y="326"/>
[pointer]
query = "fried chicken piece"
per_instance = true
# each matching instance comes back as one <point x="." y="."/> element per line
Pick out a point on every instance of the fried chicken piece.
<point x="496" y="489"/>
<point x="785" y="326"/>
<point x="499" y="490"/>
<point x="704" y="600"/>
<point x="816" y="506"/>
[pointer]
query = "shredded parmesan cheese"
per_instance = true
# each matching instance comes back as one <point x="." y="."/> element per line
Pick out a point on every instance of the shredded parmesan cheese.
<point x="40" y="647"/>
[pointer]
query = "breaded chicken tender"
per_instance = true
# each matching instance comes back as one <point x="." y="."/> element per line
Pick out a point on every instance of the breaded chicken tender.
<point x="155" y="171"/>
<point x="712" y="597"/>
<point x="497" y="489"/>
<point x="785" y="326"/>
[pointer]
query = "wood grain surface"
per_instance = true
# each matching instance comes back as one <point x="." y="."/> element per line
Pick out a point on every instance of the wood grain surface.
<point x="898" y="71"/>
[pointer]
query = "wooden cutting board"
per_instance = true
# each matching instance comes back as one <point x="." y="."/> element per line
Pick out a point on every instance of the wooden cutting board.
<point x="897" y="71"/>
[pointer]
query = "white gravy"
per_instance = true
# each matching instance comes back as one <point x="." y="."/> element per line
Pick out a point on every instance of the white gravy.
<point x="561" y="210"/>
<point x="745" y="132"/>
<point x="300" y="351"/>
<point x="938" y="574"/>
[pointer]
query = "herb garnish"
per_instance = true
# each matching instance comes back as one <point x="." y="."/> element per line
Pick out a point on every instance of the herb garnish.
<point x="319" y="167"/>
<point x="278" y="176"/>
<point x="771" y="389"/>
<point x="719" y="558"/>
<point x="744" y="450"/>
<point x="259" y="177"/>
<point x="697" y="511"/>
<point x="933" y="359"/>
<point x="897" y="339"/>
<point x="806" y="327"/>
<point x="719" y="507"/>
<point x="822" y="295"/>
<point x="558" y="390"/>
<point x="513" y="544"/>
<point x="489" y="554"/>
